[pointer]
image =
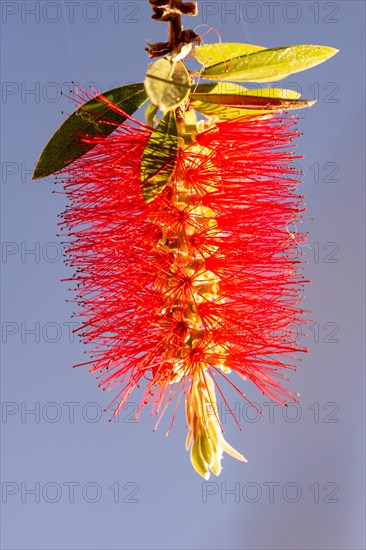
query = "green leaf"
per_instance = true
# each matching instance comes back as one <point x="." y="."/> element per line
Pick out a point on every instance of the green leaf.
<point x="93" y="118"/>
<point x="236" y="90"/>
<point x="190" y="118"/>
<point x="222" y="112"/>
<point x="235" y="106"/>
<point x="252" y="102"/>
<point x="230" y="88"/>
<point x="209" y="54"/>
<point x="218" y="88"/>
<point x="206" y="448"/>
<point x="222" y="88"/>
<point x="198" y="462"/>
<point x="217" y="110"/>
<point x="159" y="157"/>
<point x="150" y="114"/>
<point x="227" y="100"/>
<point x="167" y="83"/>
<point x="274" y="93"/>
<point x="269" y="65"/>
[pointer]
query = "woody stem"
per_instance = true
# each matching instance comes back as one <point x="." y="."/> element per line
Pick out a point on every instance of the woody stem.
<point x="175" y="27"/>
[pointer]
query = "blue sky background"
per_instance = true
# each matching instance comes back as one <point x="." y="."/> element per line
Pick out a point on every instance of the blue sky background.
<point x="303" y="487"/>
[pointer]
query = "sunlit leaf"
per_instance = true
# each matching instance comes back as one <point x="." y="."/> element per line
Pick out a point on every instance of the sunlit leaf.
<point x="210" y="54"/>
<point x="274" y="93"/>
<point x="253" y="102"/>
<point x="159" y="157"/>
<point x="218" y="88"/>
<point x="231" y="106"/>
<point x="222" y="112"/>
<point x="198" y="462"/>
<point x="167" y="83"/>
<point x="150" y="114"/>
<point x="232" y="89"/>
<point x="95" y="117"/>
<point x="190" y="117"/>
<point x="269" y="65"/>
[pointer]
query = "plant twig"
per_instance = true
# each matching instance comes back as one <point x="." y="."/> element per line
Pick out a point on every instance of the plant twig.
<point x="175" y="26"/>
<point x="171" y="11"/>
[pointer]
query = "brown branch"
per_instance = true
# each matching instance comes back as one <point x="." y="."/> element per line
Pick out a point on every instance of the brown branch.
<point x="171" y="11"/>
<point x="175" y="26"/>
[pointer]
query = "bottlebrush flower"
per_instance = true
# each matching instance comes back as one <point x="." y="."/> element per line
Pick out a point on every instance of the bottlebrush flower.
<point x="201" y="281"/>
<point x="187" y="266"/>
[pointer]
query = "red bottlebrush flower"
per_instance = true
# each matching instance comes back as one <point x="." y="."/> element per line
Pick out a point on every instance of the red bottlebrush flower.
<point x="187" y="267"/>
<point x="202" y="281"/>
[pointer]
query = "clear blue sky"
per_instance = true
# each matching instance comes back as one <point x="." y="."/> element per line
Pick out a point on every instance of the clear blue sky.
<point x="303" y="484"/>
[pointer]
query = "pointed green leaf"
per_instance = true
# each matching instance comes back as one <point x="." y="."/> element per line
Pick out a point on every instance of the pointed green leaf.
<point x="167" y="83"/>
<point x="274" y="93"/>
<point x="252" y="102"/>
<point x="231" y="88"/>
<point x="159" y="157"/>
<point x="198" y="462"/>
<point x="95" y="117"/>
<point x="225" y="90"/>
<point x="210" y="54"/>
<point x="190" y="118"/>
<point x="150" y="114"/>
<point x="252" y="106"/>
<point x="269" y="65"/>
<point x="231" y="451"/>
<point x="222" y="112"/>
<point x="217" y="110"/>
<point x="206" y="448"/>
<point x="228" y="100"/>
<point x="218" y="88"/>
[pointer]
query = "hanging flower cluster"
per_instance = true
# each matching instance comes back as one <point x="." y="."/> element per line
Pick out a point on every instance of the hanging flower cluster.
<point x="187" y="267"/>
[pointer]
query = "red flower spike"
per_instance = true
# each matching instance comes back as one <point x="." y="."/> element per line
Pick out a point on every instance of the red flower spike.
<point x="202" y="281"/>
